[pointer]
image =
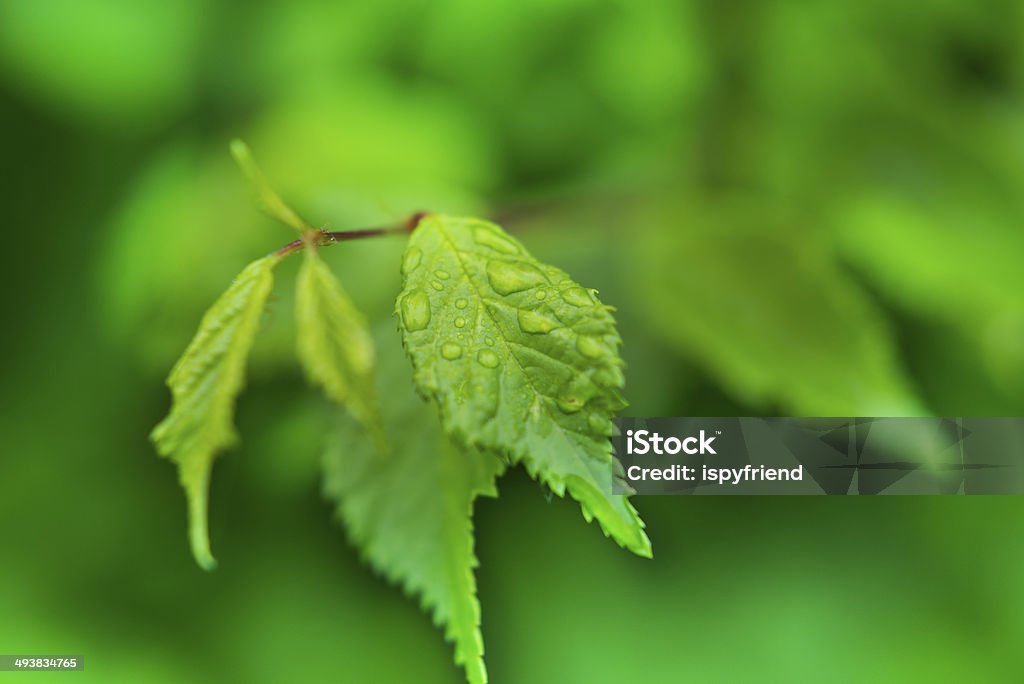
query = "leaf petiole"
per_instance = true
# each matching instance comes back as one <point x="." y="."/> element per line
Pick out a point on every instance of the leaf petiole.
<point x="328" y="238"/>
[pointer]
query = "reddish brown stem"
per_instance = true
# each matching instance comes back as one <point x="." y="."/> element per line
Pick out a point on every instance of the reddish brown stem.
<point x="330" y="237"/>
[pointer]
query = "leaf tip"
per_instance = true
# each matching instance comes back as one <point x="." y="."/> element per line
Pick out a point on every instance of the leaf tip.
<point x="203" y="558"/>
<point x="199" y="540"/>
<point x="240" y="151"/>
<point x="643" y="549"/>
<point x="476" y="671"/>
<point x="198" y="523"/>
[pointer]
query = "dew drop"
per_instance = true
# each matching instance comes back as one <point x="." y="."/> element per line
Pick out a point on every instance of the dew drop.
<point x="541" y="294"/>
<point x="489" y="238"/>
<point x="507" y="277"/>
<point x="488" y="341"/>
<point x="535" y="323"/>
<point x="451" y="351"/>
<point x="415" y="310"/>
<point x="590" y="347"/>
<point x="577" y="296"/>
<point x="436" y="285"/>
<point x="461" y="303"/>
<point x="460" y="322"/>
<point x="487" y="358"/>
<point x="411" y="260"/>
<point x="443" y="275"/>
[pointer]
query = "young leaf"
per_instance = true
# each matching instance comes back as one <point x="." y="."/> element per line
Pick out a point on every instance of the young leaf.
<point x="334" y="345"/>
<point x="268" y="199"/>
<point x="410" y="513"/>
<point x="520" y="359"/>
<point x="204" y="384"/>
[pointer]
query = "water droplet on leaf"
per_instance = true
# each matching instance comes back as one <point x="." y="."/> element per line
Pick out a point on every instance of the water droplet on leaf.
<point x="415" y="310"/>
<point x="451" y="351"/>
<point x="436" y="285"/>
<point x="411" y="260"/>
<point x="507" y="277"/>
<point x="461" y="303"/>
<point x="459" y="322"/>
<point x="487" y="358"/>
<point x="577" y="296"/>
<point x="535" y="323"/>
<point x="443" y="275"/>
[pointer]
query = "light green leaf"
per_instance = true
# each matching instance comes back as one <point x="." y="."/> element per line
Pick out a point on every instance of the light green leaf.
<point x="770" y="316"/>
<point x="204" y="383"/>
<point x="267" y="197"/>
<point x="520" y="359"/>
<point x="410" y="512"/>
<point x="334" y="344"/>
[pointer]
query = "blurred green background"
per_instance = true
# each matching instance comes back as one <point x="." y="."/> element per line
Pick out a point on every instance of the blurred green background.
<point x="798" y="208"/>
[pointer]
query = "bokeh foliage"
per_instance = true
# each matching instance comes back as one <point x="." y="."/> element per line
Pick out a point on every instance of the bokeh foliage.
<point x="795" y="208"/>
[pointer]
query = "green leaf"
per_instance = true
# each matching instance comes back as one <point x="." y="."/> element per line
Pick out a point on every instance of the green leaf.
<point x="334" y="344"/>
<point x="520" y="359"/>
<point x="204" y="383"/>
<point x="267" y="197"/>
<point x="410" y="512"/>
<point x="769" y="314"/>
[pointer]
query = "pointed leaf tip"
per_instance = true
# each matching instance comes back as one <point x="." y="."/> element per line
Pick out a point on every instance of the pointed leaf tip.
<point x="267" y="197"/>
